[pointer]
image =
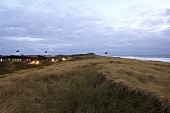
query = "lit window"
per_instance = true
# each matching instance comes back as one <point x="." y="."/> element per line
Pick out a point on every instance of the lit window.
<point x="52" y="60"/>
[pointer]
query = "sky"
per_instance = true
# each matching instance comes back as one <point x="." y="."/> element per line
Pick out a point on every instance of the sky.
<point x="119" y="27"/>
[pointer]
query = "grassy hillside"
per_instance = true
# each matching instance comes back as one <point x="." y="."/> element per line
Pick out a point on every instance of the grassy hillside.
<point x="93" y="85"/>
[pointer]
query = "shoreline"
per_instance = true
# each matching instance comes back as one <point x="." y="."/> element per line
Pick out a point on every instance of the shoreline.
<point x="167" y="60"/>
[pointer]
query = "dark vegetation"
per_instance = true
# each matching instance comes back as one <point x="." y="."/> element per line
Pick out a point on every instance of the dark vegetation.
<point x="7" y="67"/>
<point x="82" y="56"/>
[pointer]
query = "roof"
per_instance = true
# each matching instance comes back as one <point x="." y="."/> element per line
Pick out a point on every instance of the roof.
<point x="28" y="56"/>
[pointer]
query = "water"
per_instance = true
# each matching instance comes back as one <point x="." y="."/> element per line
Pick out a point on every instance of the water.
<point x="162" y="58"/>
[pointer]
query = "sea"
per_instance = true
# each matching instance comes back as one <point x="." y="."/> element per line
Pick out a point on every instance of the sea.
<point x="162" y="58"/>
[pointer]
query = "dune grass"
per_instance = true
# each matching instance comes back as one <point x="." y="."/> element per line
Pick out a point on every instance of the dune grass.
<point x="94" y="85"/>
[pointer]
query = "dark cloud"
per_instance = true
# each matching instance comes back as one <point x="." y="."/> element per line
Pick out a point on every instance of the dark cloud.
<point x="60" y="28"/>
<point x="166" y="32"/>
<point x="167" y="11"/>
<point x="50" y="30"/>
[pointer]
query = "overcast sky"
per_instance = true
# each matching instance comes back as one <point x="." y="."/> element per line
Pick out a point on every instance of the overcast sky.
<point x="120" y="27"/>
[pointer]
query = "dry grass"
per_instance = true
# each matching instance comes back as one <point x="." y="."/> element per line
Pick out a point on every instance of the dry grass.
<point x="148" y="76"/>
<point x="80" y="86"/>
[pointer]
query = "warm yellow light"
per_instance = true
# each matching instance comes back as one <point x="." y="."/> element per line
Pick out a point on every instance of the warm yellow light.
<point x="64" y="59"/>
<point x="33" y="62"/>
<point x="52" y="60"/>
<point x="37" y="62"/>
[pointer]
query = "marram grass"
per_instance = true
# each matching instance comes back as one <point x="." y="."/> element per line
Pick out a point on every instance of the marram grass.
<point x="95" y="85"/>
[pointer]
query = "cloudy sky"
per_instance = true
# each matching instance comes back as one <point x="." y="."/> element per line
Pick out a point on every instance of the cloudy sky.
<point x="120" y="27"/>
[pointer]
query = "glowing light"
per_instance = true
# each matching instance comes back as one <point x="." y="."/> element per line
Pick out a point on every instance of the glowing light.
<point x="37" y="62"/>
<point x="64" y="59"/>
<point x="53" y="60"/>
<point x="33" y="62"/>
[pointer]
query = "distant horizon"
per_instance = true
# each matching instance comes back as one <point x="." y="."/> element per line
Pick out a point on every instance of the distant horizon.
<point x="96" y="54"/>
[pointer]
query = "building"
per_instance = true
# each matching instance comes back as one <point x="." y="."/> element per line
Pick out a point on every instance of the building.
<point x="28" y="58"/>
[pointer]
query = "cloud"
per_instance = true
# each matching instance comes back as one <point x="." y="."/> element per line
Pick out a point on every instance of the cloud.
<point x="25" y="39"/>
<point x="166" y="32"/>
<point x="167" y="11"/>
<point x="71" y="28"/>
